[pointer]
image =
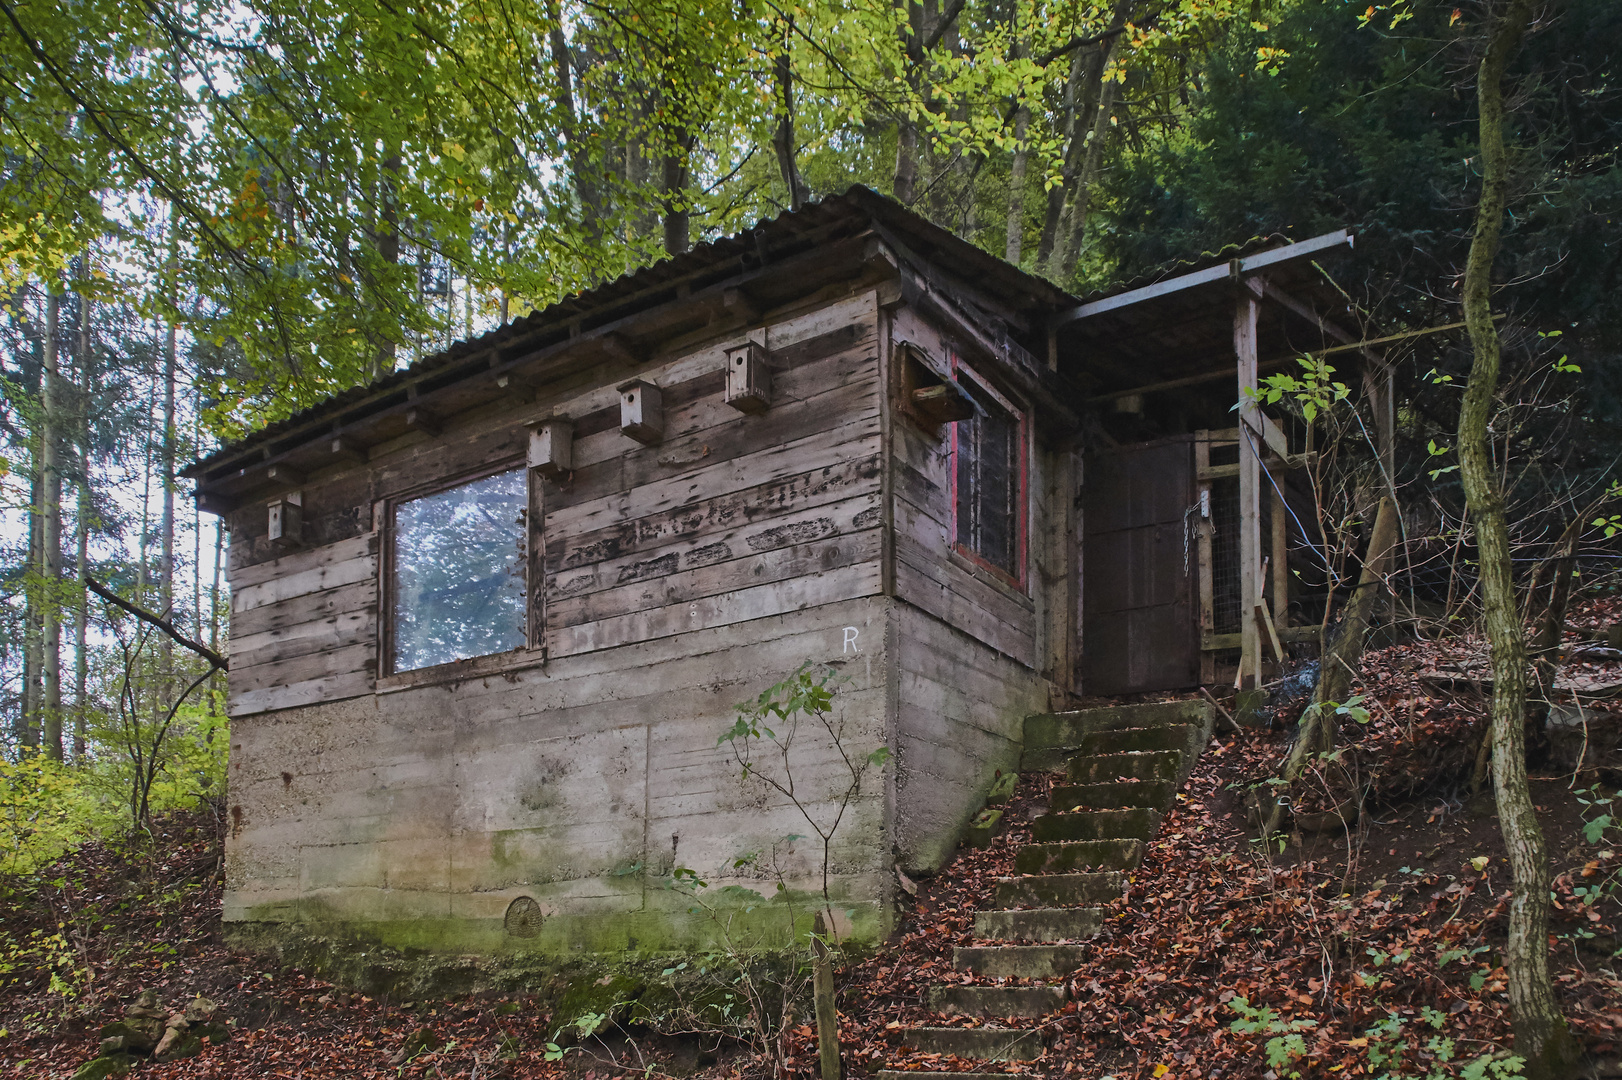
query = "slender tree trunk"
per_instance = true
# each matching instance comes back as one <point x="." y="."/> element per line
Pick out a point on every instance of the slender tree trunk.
<point x="81" y="608"/>
<point x="783" y="136"/>
<point x="1071" y="239"/>
<point x="678" y="215"/>
<point x="388" y="248"/>
<point x="166" y="583"/>
<point x="214" y="609"/>
<point x="581" y="169"/>
<point x="50" y="510"/>
<point x="81" y="620"/>
<point x="904" y="182"/>
<point x="1552" y="625"/>
<point x="1016" y="188"/>
<point x="1541" y="1034"/>
<point x="33" y="640"/>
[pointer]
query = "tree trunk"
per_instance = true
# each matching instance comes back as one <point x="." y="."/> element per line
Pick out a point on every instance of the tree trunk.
<point x="783" y="135"/>
<point x="166" y="581"/>
<point x="388" y="248"/>
<point x="1016" y="188"/>
<point x="904" y="184"/>
<point x="1552" y="622"/>
<point x="678" y="216"/>
<point x="1341" y="659"/>
<point x="1541" y="1034"/>
<point x="50" y="511"/>
<point x="581" y="169"/>
<point x="1075" y="231"/>
<point x="81" y="607"/>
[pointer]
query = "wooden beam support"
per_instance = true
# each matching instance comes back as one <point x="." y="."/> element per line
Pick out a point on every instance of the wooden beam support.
<point x="420" y="419"/>
<point x="1245" y="315"/>
<point x="348" y="450"/>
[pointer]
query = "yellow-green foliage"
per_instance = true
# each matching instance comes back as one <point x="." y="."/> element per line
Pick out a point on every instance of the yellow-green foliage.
<point x="47" y="807"/>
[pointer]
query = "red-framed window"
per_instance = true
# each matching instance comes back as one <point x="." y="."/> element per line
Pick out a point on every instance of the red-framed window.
<point x="990" y="470"/>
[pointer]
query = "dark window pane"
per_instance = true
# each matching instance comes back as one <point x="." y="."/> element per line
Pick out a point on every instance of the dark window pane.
<point x="459" y="573"/>
<point x="988" y="481"/>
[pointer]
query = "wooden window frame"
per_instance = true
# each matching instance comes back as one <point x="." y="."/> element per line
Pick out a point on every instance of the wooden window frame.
<point x="1022" y="510"/>
<point x="384" y="511"/>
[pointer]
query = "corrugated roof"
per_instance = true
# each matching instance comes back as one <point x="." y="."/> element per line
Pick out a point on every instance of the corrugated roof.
<point x="1013" y="285"/>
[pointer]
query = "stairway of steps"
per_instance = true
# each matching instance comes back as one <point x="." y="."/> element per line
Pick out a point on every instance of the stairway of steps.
<point x="1123" y="766"/>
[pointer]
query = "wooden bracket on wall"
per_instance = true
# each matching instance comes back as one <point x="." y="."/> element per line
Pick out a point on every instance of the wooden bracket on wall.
<point x="928" y="397"/>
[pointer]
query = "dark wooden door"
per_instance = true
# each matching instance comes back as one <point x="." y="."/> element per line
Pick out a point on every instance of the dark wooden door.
<point x="1139" y="569"/>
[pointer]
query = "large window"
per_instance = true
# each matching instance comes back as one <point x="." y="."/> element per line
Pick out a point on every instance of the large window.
<point x="459" y="561"/>
<point x="988" y="480"/>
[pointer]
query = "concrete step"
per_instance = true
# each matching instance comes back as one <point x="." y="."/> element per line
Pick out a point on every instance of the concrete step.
<point x="1081" y="855"/>
<point x="1101" y="768"/>
<point x="1017" y="961"/>
<point x="1060" y="890"/>
<point x="1156" y="794"/>
<point x="1051" y="737"/>
<point x="1127" y="740"/>
<point x="1040" y="924"/>
<point x="1137" y="823"/>
<point x="996" y="1000"/>
<point x="986" y="1043"/>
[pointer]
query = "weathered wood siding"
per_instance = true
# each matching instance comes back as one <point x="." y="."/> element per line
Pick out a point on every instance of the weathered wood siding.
<point x="974" y="653"/>
<point x="729" y="518"/>
<point x="929" y="574"/>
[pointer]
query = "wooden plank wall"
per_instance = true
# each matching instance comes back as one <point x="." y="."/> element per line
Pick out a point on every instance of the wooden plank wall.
<point x="729" y="518"/>
<point x="928" y="573"/>
<point x="974" y="655"/>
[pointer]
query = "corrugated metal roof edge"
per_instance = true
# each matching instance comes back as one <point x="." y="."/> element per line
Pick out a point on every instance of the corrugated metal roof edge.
<point x="1189" y="264"/>
<point x="857" y="198"/>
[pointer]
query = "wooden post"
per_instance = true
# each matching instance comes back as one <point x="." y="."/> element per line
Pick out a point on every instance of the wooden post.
<point x="822" y="992"/>
<point x="1379" y="383"/>
<point x="1250" y="488"/>
<point x="1281" y="560"/>
<point x="1202" y="462"/>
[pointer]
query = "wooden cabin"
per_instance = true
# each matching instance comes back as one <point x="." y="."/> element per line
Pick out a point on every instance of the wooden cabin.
<point x="491" y="613"/>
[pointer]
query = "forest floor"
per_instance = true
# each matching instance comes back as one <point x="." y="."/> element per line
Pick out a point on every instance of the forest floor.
<point x="1338" y="948"/>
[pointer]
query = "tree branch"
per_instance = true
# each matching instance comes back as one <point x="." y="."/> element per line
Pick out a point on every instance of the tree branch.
<point x="158" y="621"/>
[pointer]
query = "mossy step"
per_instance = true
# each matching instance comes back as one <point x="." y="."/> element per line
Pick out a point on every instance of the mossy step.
<point x="996" y="1000"/>
<point x="1040" y="924"/>
<point x="1124" y="740"/>
<point x="988" y="1044"/>
<point x="1101" y="768"/>
<point x="1137" y="823"/>
<point x="1080" y="855"/>
<point x="1059" y="730"/>
<point x="1017" y="961"/>
<point x="1111" y="795"/>
<point x="1060" y="890"/>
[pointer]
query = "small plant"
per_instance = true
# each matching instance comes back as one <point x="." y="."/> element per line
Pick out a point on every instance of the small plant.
<point x="1287" y="1044"/>
<point x="1601" y="876"/>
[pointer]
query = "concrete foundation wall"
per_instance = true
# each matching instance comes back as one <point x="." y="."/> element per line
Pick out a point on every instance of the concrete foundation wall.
<point x="960" y="719"/>
<point x="417" y="818"/>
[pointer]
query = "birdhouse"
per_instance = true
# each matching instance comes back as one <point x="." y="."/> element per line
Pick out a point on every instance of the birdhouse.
<point x="285" y="525"/>
<point x="551" y="447"/>
<point x="642" y="411"/>
<point x="749" y="380"/>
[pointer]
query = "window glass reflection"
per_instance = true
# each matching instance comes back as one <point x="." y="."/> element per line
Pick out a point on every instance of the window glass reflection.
<point x="459" y="572"/>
